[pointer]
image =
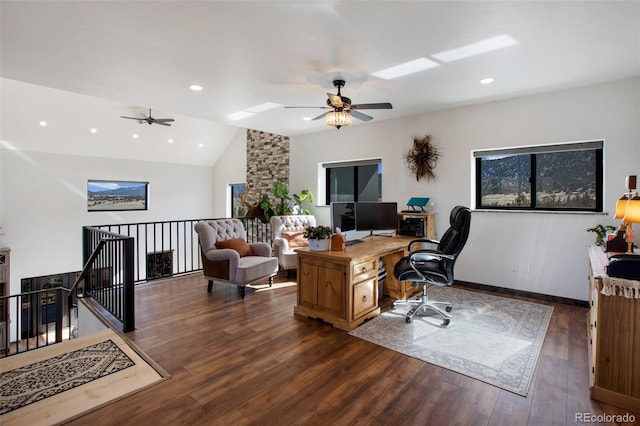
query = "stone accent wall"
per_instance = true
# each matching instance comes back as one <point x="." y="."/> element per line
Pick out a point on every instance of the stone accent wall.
<point x="267" y="162"/>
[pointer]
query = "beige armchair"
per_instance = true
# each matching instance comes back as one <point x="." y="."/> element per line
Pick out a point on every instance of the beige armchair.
<point x="287" y="232"/>
<point x="227" y="257"/>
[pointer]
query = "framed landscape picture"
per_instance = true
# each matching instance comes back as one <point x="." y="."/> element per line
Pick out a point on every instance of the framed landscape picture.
<point x="111" y="195"/>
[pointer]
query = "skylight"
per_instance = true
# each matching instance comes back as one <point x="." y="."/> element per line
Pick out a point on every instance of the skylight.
<point x="484" y="46"/>
<point x="263" y="107"/>
<point x="406" y="68"/>
<point x="239" y="115"/>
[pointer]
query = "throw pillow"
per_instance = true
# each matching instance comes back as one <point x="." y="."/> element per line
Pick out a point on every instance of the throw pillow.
<point x="296" y="239"/>
<point x="237" y="244"/>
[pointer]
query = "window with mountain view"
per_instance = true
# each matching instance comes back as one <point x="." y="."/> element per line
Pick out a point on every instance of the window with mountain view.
<point x="563" y="177"/>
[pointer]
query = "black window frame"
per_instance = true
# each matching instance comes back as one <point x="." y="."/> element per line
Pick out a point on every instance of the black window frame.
<point x="355" y="164"/>
<point x="232" y="201"/>
<point x="533" y="151"/>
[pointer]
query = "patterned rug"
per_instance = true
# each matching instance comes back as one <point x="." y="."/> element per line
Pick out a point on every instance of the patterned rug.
<point x="43" y="379"/>
<point x="493" y="339"/>
<point x="63" y="381"/>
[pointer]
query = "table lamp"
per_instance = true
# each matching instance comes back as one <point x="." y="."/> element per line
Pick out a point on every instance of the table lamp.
<point x="628" y="210"/>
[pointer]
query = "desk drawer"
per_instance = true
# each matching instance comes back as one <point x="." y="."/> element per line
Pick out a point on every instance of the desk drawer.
<point x="365" y="297"/>
<point x="365" y="270"/>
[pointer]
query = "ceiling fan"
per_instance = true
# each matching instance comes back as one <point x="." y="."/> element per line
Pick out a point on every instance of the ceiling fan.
<point x="150" y="120"/>
<point x="343" y="109"/>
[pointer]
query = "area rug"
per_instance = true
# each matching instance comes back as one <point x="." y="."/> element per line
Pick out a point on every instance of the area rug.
<point x="62" y="381"/>
<point x="493" y="339"/>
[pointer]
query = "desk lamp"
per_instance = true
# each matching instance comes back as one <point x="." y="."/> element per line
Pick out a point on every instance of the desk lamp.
<point x="628" y="209"/>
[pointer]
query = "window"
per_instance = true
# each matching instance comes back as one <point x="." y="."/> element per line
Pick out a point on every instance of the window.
<point x="353" y="181"/>
<point x="237" y="208"/>
<point x="563" y="177"/>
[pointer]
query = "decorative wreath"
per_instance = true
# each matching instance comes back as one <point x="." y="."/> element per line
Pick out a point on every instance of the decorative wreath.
<point x="422" y="158"/>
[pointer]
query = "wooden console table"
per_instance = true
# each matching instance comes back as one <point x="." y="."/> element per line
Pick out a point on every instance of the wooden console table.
<point x="429" y="221"/>
<point x="341" y="287"/>
<point x="614" y="339"/>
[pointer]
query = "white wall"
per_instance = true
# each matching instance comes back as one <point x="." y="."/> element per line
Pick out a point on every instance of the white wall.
<point x="44" y="204"/>
<point x="551" y="246"/>
<point x="231" y="168"/>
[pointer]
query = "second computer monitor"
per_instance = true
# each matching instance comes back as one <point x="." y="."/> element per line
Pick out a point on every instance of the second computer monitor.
<point x="376" y="216"/>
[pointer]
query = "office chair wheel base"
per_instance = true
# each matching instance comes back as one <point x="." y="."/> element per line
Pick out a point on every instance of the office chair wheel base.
<point x="408" y="320"/>
<point x="448" y="308"/>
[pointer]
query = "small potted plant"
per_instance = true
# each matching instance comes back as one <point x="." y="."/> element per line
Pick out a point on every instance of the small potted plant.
<point x="601" y="232"/>
<point x="319" y="237"/>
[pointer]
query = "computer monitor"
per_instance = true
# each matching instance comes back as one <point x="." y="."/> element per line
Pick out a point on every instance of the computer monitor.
<point x="376" y="216"/>
<point x="343" y="216"/>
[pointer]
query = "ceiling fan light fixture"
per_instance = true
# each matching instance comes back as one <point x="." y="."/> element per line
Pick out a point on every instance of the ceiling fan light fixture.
<point x="338" y="118"/>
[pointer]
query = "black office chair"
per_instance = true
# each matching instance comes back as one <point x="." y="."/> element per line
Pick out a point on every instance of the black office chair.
<point x="428" y="267"/>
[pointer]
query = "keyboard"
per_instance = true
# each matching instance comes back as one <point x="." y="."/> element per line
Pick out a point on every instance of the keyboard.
<point x="352" y="242"/>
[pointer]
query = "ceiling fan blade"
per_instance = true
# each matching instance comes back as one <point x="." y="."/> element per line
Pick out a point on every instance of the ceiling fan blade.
<point x="162" y="123"/>
<point x="361" y="116"/>
<point x="382" y="105"/>
<point x="335" y="100"/>
<point x="133" y="118"/>
<point x="162" y="120"/>
<point x="321" y="116"/>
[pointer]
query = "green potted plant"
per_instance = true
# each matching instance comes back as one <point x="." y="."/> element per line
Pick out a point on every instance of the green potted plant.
<point x="285" y="203"/>
<point x="601" y="232"/>
<point x="296" y="202"/>
<point x="319" y="237"/>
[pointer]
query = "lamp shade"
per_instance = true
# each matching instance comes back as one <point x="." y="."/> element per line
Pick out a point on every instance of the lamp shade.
<point x="338" y="118"/>
<point x="621" y="207"/>
<point x="632" y="211"/>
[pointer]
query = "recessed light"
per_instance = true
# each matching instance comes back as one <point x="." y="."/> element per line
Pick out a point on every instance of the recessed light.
<point x="170" y="141"/>
<point x="239" y="115"/>
<point x="487" y="80"/>
<point x="135" y="136"/>
<point x="307" y="119"/>
<point x="406" y="68"/>
<point x="196" y="87"/>
<point x="93" y="130"/>
<point x="200" y="145"/>
<point x="43" y="123"/>
<point x="484" y="46"/>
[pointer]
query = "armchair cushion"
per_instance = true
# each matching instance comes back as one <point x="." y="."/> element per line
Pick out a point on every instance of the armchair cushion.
<point x="237" y="244"/>
<point x="295" y="239"/>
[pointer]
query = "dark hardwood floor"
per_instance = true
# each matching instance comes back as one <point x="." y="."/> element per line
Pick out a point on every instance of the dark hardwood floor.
<point x="254" y="362"/>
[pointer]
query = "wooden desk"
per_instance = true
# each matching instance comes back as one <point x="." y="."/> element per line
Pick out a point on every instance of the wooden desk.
<point x="341" y="287"/>
<point x="614" y="339"/>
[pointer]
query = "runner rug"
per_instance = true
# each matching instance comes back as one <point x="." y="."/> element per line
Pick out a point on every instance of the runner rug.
<point x="493" y="339"/>
<point x="64" y="380"/>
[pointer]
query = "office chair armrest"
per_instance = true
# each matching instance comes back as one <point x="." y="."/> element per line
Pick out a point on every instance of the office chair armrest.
<point x="426" y="255"/>
<point x="423" y="241"/>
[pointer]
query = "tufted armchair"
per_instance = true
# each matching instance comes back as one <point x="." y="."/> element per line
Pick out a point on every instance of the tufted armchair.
<point x="287" y="232"/>
<point x="227" y="257"/>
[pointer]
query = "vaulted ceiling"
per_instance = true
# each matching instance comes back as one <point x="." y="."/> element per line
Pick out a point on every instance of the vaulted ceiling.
<point x="136" y="55"/>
